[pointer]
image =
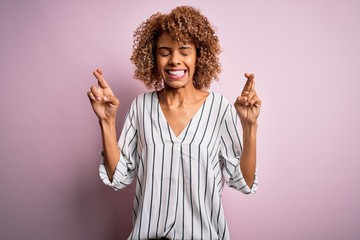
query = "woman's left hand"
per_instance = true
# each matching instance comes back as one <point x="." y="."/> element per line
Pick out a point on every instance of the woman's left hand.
<point x="248" y="103"/>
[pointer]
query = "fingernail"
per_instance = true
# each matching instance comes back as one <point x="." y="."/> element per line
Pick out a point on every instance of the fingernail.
<point x="105" y="98"/>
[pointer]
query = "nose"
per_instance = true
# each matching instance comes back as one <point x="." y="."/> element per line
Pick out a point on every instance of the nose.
<point x="174" y="60"/>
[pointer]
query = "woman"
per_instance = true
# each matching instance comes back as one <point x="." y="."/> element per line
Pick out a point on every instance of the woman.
<point x="180" y="143"/>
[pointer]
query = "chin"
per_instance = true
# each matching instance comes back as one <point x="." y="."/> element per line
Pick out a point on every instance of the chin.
<point x="177" y="84"/>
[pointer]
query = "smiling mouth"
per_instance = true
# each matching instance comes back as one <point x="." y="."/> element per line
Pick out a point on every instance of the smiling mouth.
<point x="176" y="73"/>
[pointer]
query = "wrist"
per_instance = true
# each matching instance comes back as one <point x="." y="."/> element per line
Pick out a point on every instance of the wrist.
<point x="107" y="122"/>
<point x="107" y="126"/>
<point x="108" y="129"/>
<point x="250" y="129"/>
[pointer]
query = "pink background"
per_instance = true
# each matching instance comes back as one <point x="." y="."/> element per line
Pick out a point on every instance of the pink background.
<point x="306" y="58"/>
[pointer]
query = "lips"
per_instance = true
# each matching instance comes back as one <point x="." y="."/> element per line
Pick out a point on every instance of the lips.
<point x="176" y="73"/>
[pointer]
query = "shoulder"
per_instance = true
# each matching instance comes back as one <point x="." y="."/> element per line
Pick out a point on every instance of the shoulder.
<point x="219" y="99"/>
<point x="143" y="97"/>
<point x="225" y="108"/>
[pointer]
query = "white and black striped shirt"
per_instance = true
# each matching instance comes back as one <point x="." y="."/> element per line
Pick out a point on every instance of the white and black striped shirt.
<point x="179" y="179"/>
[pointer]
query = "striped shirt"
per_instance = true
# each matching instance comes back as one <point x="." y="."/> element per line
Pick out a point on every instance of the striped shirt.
<point x="179" y="179"/>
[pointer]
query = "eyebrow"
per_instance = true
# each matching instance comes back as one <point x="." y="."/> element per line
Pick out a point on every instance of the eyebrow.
<point x="168" y="48"/>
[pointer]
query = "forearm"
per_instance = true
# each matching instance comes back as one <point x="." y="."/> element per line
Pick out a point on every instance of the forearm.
<point x="248" y="157"/>
<point x="110" y="148"/>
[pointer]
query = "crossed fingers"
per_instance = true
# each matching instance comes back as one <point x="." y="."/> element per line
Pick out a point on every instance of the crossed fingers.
<point x="102" y="90"/>
<point x="248" y="95"/>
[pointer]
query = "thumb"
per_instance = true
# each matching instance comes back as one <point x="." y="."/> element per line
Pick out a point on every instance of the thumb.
<point x="111" y="99"/>
<point x="241" y="101"/>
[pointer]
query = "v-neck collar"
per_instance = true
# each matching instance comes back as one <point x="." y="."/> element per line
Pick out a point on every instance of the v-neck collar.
<point x="183" y="132"/>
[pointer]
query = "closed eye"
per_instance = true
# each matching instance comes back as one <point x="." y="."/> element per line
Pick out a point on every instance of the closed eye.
<point x="164" y="51"/>
<point x="164" y="54"/>
<point x="185" y="50"/>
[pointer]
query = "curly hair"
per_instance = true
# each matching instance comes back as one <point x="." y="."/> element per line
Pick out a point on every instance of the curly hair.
<point x="184" y="24"/>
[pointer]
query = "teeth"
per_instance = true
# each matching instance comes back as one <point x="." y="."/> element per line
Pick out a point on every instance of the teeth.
<point x="177" y="73"/>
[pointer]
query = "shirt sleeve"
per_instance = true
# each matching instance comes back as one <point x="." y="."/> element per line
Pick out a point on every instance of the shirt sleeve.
<point x="126" y="167"/>
<point x="230" y="153"/>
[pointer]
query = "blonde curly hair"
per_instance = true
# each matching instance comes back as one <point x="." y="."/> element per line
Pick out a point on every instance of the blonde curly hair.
<point x="184" y="24"/>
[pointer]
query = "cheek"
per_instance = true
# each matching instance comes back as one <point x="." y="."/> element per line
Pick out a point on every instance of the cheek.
<point x="192" y="64"/>
<point x="160" y="63"/>
<point x="159" y="66"/>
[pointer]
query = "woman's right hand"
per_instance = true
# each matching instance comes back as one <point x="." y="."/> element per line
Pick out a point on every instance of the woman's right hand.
<point x="102" y="99"/>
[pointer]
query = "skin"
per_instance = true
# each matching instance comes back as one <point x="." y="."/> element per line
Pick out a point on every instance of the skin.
<point x="179" y="101"/>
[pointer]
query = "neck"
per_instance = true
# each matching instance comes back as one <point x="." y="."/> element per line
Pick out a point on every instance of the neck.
<point x="178" y="96"/>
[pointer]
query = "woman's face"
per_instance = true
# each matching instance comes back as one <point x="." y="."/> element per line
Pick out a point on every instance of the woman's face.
<point x="176" y="63"/>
